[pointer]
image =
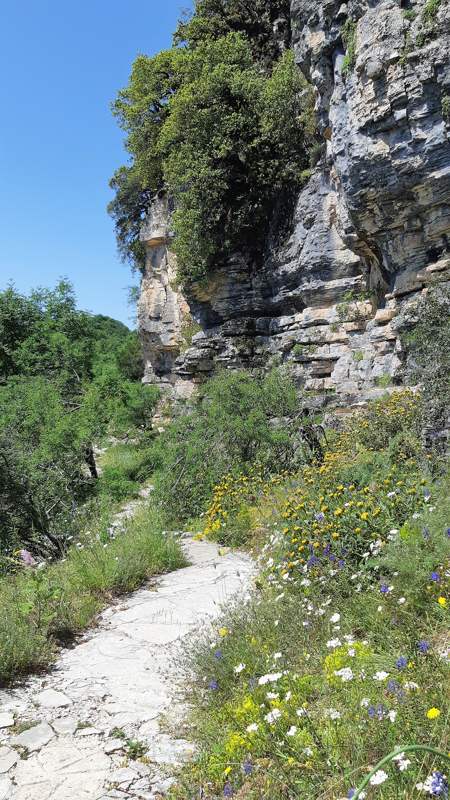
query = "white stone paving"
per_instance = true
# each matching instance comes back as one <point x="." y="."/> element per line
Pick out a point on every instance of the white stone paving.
<point x="121" y="675"/>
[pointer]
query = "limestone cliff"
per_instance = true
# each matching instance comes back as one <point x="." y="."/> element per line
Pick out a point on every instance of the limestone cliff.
<point x="371" y="229"/>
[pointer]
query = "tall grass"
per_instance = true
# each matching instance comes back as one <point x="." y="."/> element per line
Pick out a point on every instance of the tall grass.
<point x="39" y="608"/>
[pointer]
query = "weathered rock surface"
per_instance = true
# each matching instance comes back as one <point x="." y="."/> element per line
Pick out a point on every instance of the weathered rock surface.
<point x="122" y="675"/>
<point x="371" y="230"/>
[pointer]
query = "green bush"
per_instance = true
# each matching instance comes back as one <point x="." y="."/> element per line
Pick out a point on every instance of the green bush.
<point x="349" y="39"/>
<point x="428" y="352"/>
<point x="230" y="428"/>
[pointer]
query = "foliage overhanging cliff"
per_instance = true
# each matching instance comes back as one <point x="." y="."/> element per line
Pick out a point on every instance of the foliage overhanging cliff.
<point x="223" y="120"/>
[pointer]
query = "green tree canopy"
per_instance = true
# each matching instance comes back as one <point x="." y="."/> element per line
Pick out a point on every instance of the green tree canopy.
<point x="223" y="120"/>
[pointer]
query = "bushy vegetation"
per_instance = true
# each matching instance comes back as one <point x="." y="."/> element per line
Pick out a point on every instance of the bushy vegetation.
<point x="341" y="654"/>
<point x="223" y="121"/>
<point x="42" y="605"/>
<point x="236" y="422"/>
<point x="67" y="378"/>
<point x="428" y="349"/>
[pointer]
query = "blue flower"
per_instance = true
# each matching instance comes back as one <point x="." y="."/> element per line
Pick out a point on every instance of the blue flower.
<point x="426" y="533"/>
<point x="341" y="563"/>
<point x="448" y="533"/>
<point x="384" y="588"/>
<point x="351" y="793"/>
<point x="393" y="686"/>
<point x="372" y="712"/>
<point x="401" y="662"/>
<point x="213" y="685"/>
<point x="435" y="576"/>
<point x="228" y="790"/>
<point x="423" y="646"/>
<point x="218" y="654"/>
<point x="439" y="785"/>
<point x="247" y="766"/>
<point x="320" y="516"/>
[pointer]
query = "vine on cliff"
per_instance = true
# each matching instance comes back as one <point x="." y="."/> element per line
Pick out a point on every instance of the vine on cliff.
<point x="224" y="120"/>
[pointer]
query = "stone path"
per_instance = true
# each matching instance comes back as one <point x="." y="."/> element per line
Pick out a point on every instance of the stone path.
<point x="118" y="680"/>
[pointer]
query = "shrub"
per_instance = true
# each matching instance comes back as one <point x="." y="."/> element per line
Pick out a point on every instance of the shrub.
<point x="349" y="39"/>
<point x="445" y="105"/>
<point x="231" y="426"/>
<point x="428" y="351"/>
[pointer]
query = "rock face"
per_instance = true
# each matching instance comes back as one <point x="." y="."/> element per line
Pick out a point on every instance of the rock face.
<point x="371" y="229"/>
<point x="162" y="310"/>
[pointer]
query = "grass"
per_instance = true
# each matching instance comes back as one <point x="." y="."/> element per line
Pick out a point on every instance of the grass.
<point x="41" y="607"/>
<point x="339" y="656"/>
<point x="123" y="467"/>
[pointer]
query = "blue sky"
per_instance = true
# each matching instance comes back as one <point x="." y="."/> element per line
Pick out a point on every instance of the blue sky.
<point x="61" y="65"/>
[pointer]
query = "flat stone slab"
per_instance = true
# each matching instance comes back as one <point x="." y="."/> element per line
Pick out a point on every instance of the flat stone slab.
<point x="8" y="758"/>
<point x="6" y="719"/>
<point x="51" y="699"/>
<point x="34" y="738"/>
<point x="121" y="675"/>
<point x="65" y="725"/>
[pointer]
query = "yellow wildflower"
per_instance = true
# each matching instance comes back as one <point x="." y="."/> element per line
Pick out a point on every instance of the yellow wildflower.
<point x="433" y="713"/>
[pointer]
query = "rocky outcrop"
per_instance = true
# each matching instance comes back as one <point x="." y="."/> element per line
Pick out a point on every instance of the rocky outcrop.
<point x="371" y="231"/>
<point x="162" y="309"/>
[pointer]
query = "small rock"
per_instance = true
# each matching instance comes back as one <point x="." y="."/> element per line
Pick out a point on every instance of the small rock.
<point x="89" y="732"/>
<point x="51" y="699"/>
<point x="65" y="725"/>
<point x="163" y="786"/>
<point x="34" y="738"/>
<point x="6" y="720"/>
<point x="113" y="746"/>
<point x="122" y="776"/>
<point x="8" y="758"/>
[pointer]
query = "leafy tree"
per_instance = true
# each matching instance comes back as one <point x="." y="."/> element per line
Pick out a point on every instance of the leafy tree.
<point x="223" y="120"/>
<point x="66" y="379"/>
<point x="266" y="24"/>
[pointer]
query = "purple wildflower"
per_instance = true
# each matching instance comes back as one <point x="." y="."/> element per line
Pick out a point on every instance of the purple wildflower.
<point x="320" y="516"/>
<point x="439" y="785"/>
<point x="213" y="685"/>
<point x="384" y="588"/>
<point x="228" y="790"/>
<point x="393" y="686"/>
<point x="448" y="533"/>
<point x="218" y="654"/>
<point x="426" y="533"/>
<point x="341" y="563"/>
<point x="247" y="766"/>
<point x="351" y="793"/>
<point x="423" y="646"/>
<point x="401" y="662"/>
<point x="27" y="558"/>
<point x="435" y="577"/>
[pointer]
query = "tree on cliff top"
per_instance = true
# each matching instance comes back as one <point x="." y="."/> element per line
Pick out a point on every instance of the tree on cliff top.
<point x="223" y="120"/>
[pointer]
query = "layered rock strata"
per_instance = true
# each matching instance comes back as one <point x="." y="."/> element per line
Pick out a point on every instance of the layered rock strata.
<point x="371" y="230"/>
